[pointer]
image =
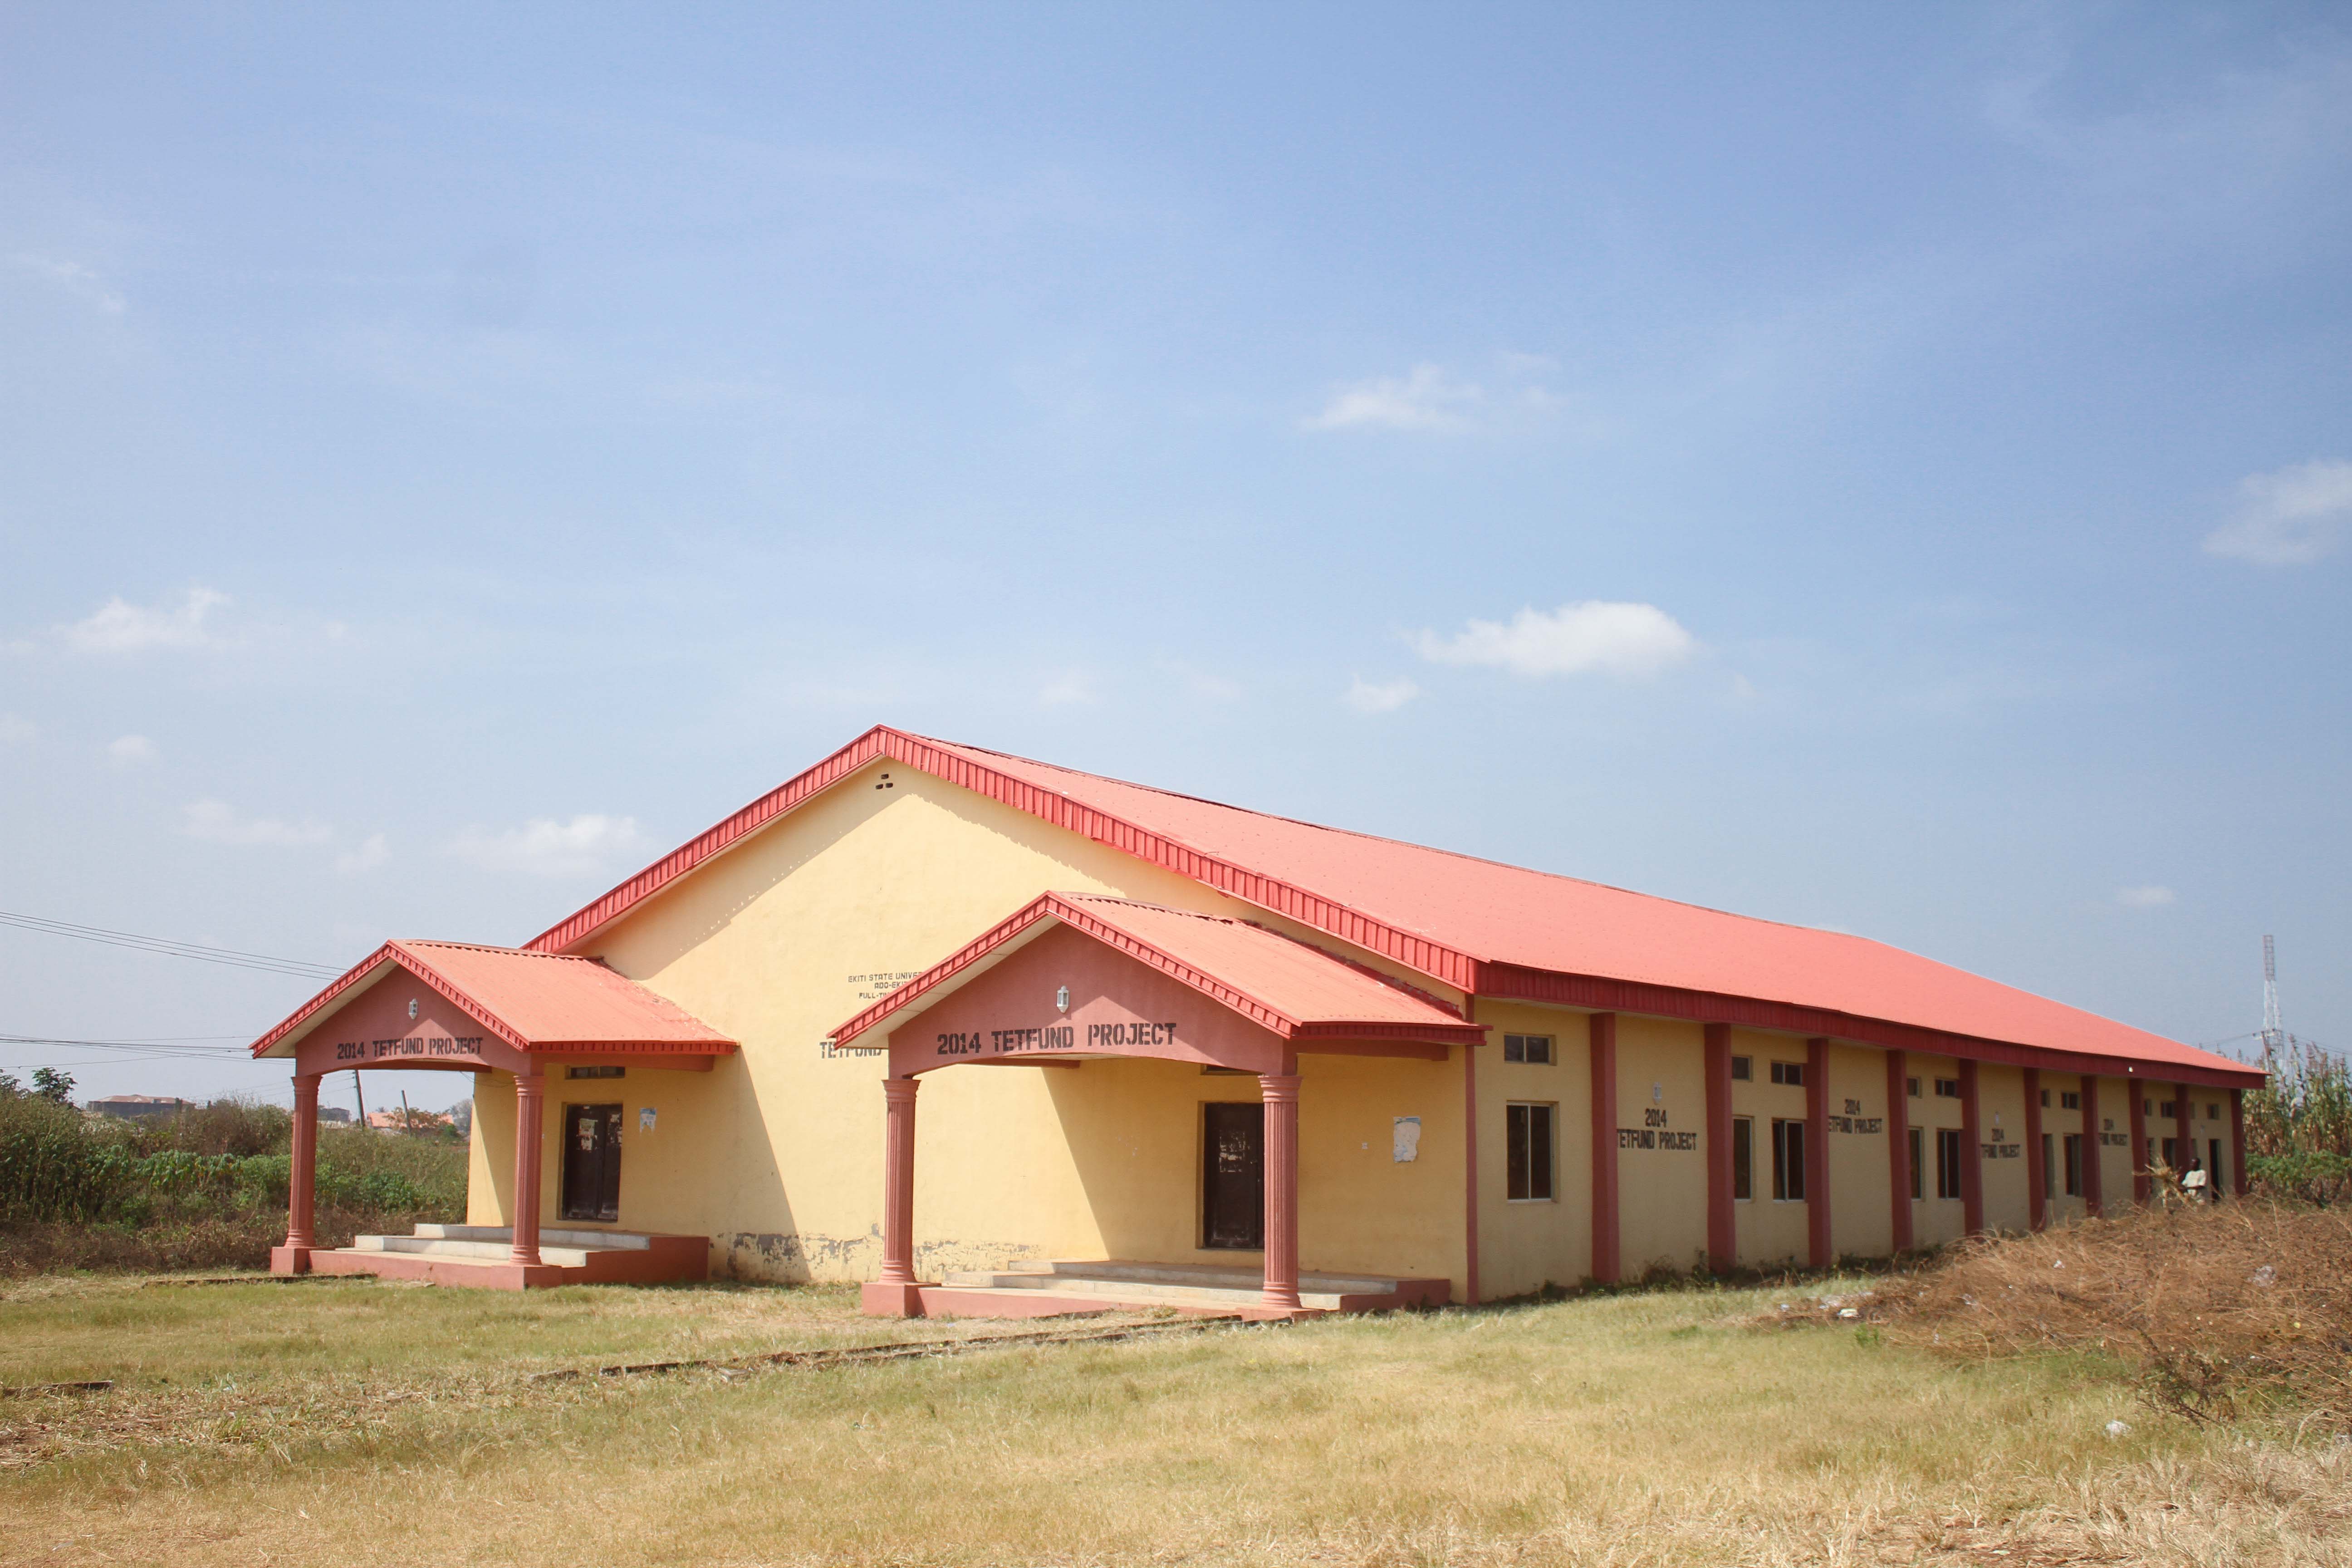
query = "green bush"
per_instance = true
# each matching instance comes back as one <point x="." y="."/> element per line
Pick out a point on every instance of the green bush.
<point x="209" y="1184"/>
<point x="2299" y="1126"/>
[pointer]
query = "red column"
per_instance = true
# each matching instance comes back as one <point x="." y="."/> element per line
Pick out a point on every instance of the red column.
<point x="2184" y="1137"/>
<point x="2037" y="1173"/>
<point x="531" y="1099"/>
<point x="1722" y="1218"/>
<point x="1972" y="1152"/>
<point x="302" y="1185"/>
<point x="2237" y="1143"/>
<point x="1280" y="1093"/>
<point x="2094" y="1186"/>
<point x="1817" y="1152"/>
<point x="1469" y="1159"/>
<point x="896" y="1294"/>
<point x="1607" y="1247"/>
<point x="2136" y="1114"/>
<point x="1898" y="1147"/>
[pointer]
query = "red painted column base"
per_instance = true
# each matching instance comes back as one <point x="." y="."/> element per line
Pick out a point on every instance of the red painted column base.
<point x="290" y="1260"/>
<point x="890" y="1298"/>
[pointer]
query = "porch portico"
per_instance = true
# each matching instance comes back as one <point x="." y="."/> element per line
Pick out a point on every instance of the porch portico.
<point x="1072" y="979"/>
<point x="429" y="1006"/>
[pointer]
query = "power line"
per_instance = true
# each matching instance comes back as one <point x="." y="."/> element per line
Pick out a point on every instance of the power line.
<point x="233" y="957"/>
<point x="157" y="1047"/>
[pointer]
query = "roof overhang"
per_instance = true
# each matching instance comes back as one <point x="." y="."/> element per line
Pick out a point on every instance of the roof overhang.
<point x="398" y="1008"/>
<point x="1399" y="1021"/>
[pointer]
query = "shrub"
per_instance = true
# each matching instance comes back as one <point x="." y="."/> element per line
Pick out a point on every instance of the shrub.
<point x="204" y="1188"/>
<point x="54" y="1165"/>
<point x="2214" y="1307"/>
<point x="224" y="1127"/>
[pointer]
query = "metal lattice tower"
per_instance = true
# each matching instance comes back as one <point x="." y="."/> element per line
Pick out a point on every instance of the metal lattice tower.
<point x="2273" y="1035"/>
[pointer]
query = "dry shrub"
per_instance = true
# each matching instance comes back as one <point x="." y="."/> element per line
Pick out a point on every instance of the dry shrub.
<point x="2215" y="1308"/>
<point x="236" y="1239"/>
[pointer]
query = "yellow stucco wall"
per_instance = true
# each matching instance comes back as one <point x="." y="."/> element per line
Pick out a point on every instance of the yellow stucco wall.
<point x="2000" y="1113"/>
<point x="1525" y="1245"/>
<point x="1662" y="1192"/>
<point x="1770" y="1230"/>
<point x="777" y="1153"/>
<point x="1861" y="1211"/>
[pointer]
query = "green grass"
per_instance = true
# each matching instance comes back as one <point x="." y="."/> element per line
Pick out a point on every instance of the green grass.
<point x="341" y="1423"/>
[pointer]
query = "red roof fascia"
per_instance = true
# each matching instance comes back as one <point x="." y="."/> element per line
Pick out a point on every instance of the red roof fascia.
<point x="1509" y="982"/>
<point x="1050" y="906"/>
<point x="409" y="959"/>
<point x="395" y="952"/>
<point x="1414" y="951"/>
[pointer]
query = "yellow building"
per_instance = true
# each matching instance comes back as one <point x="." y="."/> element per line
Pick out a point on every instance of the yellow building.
<point x="1184" y="1052"/>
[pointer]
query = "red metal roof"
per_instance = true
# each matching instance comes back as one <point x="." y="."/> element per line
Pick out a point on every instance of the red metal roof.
<point x="1278" y="983"/>
<point x="533" y="1001"/>
<point x="1492" y="929"/>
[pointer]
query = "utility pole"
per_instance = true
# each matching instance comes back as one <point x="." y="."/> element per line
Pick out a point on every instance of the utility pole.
<point x="2273" y="1035"/>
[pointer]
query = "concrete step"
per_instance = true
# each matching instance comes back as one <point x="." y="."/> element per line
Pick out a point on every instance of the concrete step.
<point x="467" y="1250"/>
<point x="1128" y="1292"/>
<point x="1211" y="1275"/>
<point x="956" y="1302"/>
<point x="625" y="1240"/>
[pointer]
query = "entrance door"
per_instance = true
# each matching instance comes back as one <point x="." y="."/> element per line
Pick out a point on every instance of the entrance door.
<point x="592" y="1162"/>
<point x="1233" y="1176"/>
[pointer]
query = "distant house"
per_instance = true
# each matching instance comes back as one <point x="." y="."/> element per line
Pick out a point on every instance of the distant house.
<point x="335" y="1114"/>
<point x="407" y="1121"/>
<point x="141" y="1107"/>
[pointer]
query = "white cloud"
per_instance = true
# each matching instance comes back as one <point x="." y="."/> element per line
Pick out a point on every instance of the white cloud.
<point x="1428" y="399"/>
<point x="2149" y="898"/>
<point x="1069" y="687"/>
<point x="2287" y="517"/>
<point x="215" y="823"/>
<point x="15" y="731"/>
<point x="373" y="852"/>
<point x="75" y="279"/>
<point x="1595" y="634"/>
<point x="130" y="750"/>
<point x="1201" y="685"/>
<point x="588" y="844"/>
<point x="122" y="627"/>
<point x="1366" y="698"/>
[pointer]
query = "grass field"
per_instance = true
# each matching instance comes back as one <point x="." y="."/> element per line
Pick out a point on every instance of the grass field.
<point x="361" y="1422"/>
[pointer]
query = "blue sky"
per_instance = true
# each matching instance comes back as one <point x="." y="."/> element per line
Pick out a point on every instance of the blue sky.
<point x="1881" y="468"/>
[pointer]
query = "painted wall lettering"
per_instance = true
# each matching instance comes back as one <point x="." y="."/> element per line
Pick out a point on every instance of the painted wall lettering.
<point x="414" y="1045"/>
<point x="1654" y="1138"/>
<point x="1051" y="1038"/>
<point x="880" y="984"/>
<point x="1866" y="1124"/>
<point x="1131" y="1034"/>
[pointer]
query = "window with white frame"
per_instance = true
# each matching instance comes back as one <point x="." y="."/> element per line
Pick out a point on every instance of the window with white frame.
<point x="1788" y="1161"/>
<point x="1527" y="1140"/>
<point x="1527" y="1049"/>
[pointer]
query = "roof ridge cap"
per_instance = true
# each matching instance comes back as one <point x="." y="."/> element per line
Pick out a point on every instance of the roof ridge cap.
<point x="1147" y="904"/>
<point x="409" y="942"/>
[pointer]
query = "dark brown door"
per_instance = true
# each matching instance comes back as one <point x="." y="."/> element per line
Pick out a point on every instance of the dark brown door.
<point x="592" y="1162"/>
<point x="1233" y="1176"/>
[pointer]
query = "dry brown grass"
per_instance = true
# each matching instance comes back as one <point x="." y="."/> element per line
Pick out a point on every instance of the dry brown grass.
<point x="2220" y="1309"/>
<point x="1636" y="1430"/>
